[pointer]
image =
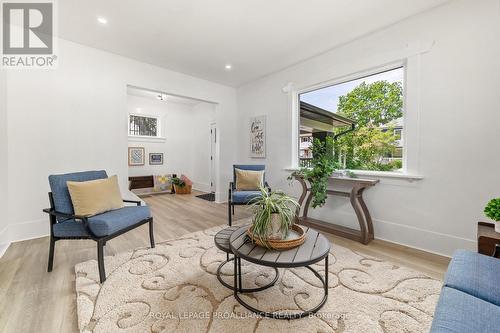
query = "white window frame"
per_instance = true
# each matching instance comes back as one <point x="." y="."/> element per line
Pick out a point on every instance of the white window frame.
<point x="411" y="105"/>
<point x="158" y="137"/>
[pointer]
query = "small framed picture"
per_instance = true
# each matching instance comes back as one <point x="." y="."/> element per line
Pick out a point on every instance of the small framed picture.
<point x="156" y="158"/>
<point x="135" y="156"/>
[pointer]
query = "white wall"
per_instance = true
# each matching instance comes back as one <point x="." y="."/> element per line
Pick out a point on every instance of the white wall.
<point x="71" y="119"/>
<point x="457" y="124"/>
<point x="4" y="238"/>
<point x="186" y="133"/>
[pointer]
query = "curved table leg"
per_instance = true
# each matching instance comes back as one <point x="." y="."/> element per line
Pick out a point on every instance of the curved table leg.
<point x="244" y="290"/>
<point x="364" y="218"/>
<point x="289" y="316"/>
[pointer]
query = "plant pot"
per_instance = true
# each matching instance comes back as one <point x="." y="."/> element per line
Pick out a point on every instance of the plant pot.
<point x="497" y="226"/>
<point x="182" y="190"/>
<point x="273" y="229"/>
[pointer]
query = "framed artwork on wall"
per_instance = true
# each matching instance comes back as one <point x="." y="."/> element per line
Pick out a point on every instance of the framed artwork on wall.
<point x="135" y="156"/>
<point x="258" y="137"/>
<point x="155" y="158"/>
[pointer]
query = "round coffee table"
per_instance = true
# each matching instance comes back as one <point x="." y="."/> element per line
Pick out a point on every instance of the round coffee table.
<point x="221" y="240"/>
<point x="315" y="248"/>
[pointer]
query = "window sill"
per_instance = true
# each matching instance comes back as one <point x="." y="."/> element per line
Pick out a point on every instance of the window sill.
<point x="378" y="174"/>
<point x="146" y="139"/>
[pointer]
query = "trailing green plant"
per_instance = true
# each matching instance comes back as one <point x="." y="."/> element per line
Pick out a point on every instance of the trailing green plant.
<point x="268" y="203"/>
<point x="178" y="182"/>
<point x="323" y="164"/>
<point x="492" y="209"/>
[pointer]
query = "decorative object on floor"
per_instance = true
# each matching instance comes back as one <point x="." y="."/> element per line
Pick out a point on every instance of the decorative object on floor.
<point x="162" y="183"/>
<point x="155" y="158"/>
<point x="470" y="297"/>
<point x="274" y="214"/>
<point x="258" y="137"/>
<point x="186" y="180"/>
<point x="207" y="196"/>
<point x="365" y="234"/>
<point x="315" y="250"/>
<point x="64" y="224"/>
<point x="180" y="186"/>
<point x="236" y="197"/>
<point x="492" y="211"/>
<point x="488" y="240"/>
<point x="135" y="156"/>
<point x="150" y="290"/>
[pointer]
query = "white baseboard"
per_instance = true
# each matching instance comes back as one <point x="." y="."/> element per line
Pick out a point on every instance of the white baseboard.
<point x="425" y="240"/>
<point x="4" y="241"/>
<point x="29" y="230"/>
<point x="23" y="231"/>
<point x="201" y="187"/>
<point x="414" y="237"/>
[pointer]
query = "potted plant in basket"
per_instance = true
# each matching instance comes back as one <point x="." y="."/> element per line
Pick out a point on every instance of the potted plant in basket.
<point x="274" y="214"/>
<point x="180" y="186"/>
<point x="492" y="210"/>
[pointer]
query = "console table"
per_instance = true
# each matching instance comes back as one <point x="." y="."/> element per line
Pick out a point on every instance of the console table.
<point x="358" y="185"/>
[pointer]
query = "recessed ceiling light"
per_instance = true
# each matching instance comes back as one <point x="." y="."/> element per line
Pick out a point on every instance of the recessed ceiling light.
<point x="228" y="67"/>
<point x="102" y="20"/>
<point x="161" y="97"/>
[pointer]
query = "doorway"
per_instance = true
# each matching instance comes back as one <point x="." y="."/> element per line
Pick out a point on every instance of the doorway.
<point x="169" y="135"/>
<point x="213" y="156"/>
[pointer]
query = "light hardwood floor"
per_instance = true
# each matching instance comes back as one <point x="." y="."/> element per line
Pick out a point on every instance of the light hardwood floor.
<point x="32" y="300"/>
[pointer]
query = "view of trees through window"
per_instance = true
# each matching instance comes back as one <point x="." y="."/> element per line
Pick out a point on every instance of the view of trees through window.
<point x="143" y="126"/>
<point x="375" y="104"/>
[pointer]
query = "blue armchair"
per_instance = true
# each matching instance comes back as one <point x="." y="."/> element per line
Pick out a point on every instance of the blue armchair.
<point x="64" y="224"/>
<point x="243" y="197"/>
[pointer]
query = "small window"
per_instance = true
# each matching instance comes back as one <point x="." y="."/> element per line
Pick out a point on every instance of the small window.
<point x="374" y="104"/>
<point x="143" y="126"/>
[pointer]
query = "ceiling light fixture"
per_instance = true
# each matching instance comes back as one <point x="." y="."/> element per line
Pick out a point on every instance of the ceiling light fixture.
<point x="102" y="20"/>
<point x="161" y="97"/>
<point x="228" y="67"/>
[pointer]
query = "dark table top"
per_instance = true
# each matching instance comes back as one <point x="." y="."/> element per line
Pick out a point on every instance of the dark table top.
<point x="315" y="248"/>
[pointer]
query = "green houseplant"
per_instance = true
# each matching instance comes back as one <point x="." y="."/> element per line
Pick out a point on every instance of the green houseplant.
<point x="180" y="186"/>
<point x="274" y="213"/>
<point x="323" y="164"/>
<point x="492" y="210"/>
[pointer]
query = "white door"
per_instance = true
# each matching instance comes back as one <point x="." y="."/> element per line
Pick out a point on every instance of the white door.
<point x="213" y="143"/>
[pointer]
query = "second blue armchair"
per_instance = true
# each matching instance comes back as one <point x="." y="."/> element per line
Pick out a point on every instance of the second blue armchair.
<point x="236" y="197"/>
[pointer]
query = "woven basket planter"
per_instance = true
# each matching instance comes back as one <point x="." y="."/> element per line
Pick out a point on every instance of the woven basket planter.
<point x="183" y="190"/>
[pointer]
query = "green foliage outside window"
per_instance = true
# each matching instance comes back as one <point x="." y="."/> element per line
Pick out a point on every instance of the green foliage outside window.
<point x="374" y="107"/>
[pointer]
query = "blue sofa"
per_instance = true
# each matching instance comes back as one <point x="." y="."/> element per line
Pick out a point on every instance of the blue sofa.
<point x="470" y="298"/>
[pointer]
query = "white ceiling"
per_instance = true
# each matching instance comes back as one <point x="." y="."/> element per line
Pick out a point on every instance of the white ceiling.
<point x="198" y="37"/>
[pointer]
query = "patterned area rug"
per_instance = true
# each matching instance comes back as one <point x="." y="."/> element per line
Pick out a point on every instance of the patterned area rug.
<point x="173" y="288"/>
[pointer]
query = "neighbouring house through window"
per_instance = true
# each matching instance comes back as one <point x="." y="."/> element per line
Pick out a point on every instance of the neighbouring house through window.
<point x="143" y="126"/>
<point x="375" y="104"/>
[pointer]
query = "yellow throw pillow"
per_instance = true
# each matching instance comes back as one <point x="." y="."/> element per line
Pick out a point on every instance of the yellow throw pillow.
<point x="248" y="180"/>
<point x="95" y="196"/>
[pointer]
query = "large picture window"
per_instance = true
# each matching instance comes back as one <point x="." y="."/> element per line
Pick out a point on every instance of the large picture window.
<point x="374" y="104"/>
<point x="143" y="126"/>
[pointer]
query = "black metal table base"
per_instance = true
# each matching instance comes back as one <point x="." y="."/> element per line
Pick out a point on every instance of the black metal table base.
<point x="279" y="315"/>
<point x="245" y="290"/>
